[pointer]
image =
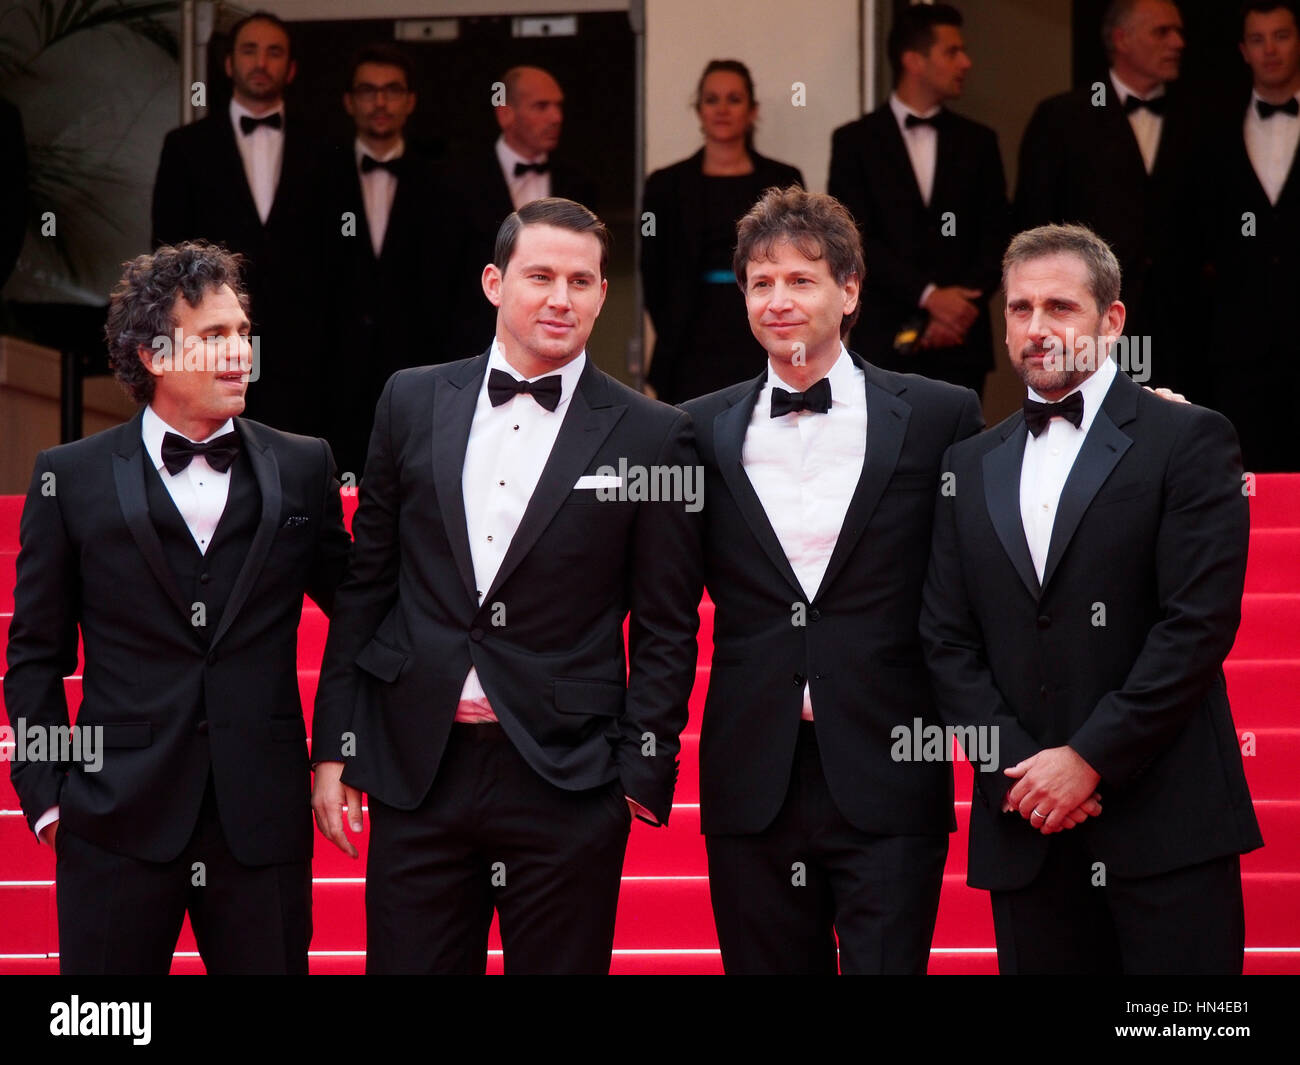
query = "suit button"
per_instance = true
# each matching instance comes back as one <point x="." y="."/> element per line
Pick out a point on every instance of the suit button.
<point x="800" y="680"/>
<point x="204" y="578"/>
<point x="815" y="614"/>
<point x="1044" y="621"/>
<point x="476" y="635"/>
<point x="202" y="727"/>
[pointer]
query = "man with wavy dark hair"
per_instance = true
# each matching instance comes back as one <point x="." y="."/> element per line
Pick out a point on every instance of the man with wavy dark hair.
<point x="180" y="543"/>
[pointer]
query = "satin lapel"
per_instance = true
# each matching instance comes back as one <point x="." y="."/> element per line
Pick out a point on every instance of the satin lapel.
<point x="398" y="224"/>
<point x="1002" y="498"/>
<point x="1116" y="127"/>
<point x="729" y="428"/>
<point x="295" y="173"/>
<point x="266" y="470"/>
<point x="592" y="414"/>
<point x="453" y="414"/>
<point x="128" y="475"/>
<point x="894" y="157"/>
<point x="226" y="136"/>
<point x="1103" y="447"/>
<point x="887" y="418"/>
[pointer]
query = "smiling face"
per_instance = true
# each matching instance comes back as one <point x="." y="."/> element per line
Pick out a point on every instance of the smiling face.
<point x="547" y="298"/>
<point x="259" y="65"/>
<point x="1050" y="306"/>
<point x="204" y="382"/>
<point x="796" y="307"/>
<point x="1270" y="46"/>
<point x="726" y="111"/>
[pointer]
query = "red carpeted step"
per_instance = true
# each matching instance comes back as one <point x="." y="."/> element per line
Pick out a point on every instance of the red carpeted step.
<point x="1276" y="503"/>
<point x="8" y="577"/>
<point x="1265" y="693"/>
<point x="27" y="916"/>
<point x="1270" y="626"/>
<point x="1271" y="566"/>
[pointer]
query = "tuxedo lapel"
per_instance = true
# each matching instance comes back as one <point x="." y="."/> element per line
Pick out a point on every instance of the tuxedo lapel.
<point x="398" y="221"/>
<point x="887" y="418"/>
<point x="893" y="157"/>
<point x="296" y="163"/>
<point x="1001" y="469"/>
<point x="1103" y="447"/>
<point x="266" y="470"/>
<point x="729" y="428"/>
<point x="453" y="413"/>
<point x="591" y="416"/>
<point x="1117" y="129"/>
<point x="128" y="476"/>
<point x="358" y="205"/>
<point x="229" y="147"/>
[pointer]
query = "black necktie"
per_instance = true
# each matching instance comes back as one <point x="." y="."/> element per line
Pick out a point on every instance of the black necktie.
<point x="369" y="163"/>
<point x="816" y="399"/>
<point x="1268" y="110"/>
<point x="535" y="168"/>
<point x="1037" y="415"/>
<point x="911" y="121"/>
<point x="1156" y="105"/>
<point x="502" y="388"/>
<point x="220" y="453"/>
<point x="247" y="123"/>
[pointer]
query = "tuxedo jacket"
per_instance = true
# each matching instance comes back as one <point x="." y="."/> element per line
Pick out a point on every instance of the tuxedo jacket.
<point x="904" y="240"/>
<point x="547" y="636"/>
<point x="382" y="312"/>
<point x="673" y="260"/>
<point x="201" y="192"/>
<point x="1081" y="163"/>
<point x="177" y="700"/>
<point x="1118" y="652"/>
<point x="476" y="201"/>
<point x="859" y="649"/>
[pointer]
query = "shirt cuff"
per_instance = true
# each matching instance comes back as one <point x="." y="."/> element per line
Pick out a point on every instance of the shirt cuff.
<point x="925" y="293"/>
<point x="48" y="818"/>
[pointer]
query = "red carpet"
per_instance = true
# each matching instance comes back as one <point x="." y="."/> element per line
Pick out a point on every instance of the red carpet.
<point x="664" y="922"/>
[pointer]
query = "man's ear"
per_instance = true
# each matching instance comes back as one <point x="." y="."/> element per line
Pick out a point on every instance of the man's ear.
<point x="347" y="105"/>
<point x="293" y="71"/>
<point x="153" y="359"/>
<point x="230" y="70"/>
<point x="492" y="284"/>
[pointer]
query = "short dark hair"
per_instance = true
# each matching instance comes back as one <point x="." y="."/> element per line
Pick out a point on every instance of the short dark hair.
<point x="258" y="16"/>
<point x="551" y="211"/>
<point x="1104" y="276"/>
<point x="1264" y="7"/>
<point x="728" y="66"/>
<point x="913" y="31"/>
<point x="1116" y="15"/>
<point x="387" y="54"/>
<point x="818" y="225"/>
<point x="143" y="305"/>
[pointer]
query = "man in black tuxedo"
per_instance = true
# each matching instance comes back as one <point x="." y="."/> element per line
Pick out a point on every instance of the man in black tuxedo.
<point x="928" y="193"/>
<point x="388" y="257"/>
<point x="1084" y="589"/>
<point x="483" y="183"/>
<point x="819" y="487"/>
<point x="475" y="683"/>
<point x="181" y="542"/>
<point x="1252" y="206"/>
<point x="272" y="212"/>
<point x="1118" y="155"/>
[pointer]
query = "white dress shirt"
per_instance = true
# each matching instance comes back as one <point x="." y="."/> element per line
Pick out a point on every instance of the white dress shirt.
<point x="1146" y="124"/>
<point x="804" y="468"/>
<point x="922" y="143"/>
<point x="1047" y="462"/>
<point x="507" y="451"/>
<point x="262" y="152"/>
<point x="1271" y="145"/>
<point x="526" y="187"/>
<point x="378" y="188"/>
<point x="198" y="491"/>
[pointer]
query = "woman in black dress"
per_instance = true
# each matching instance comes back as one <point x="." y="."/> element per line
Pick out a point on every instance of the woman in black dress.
<point x="702" y="336"/>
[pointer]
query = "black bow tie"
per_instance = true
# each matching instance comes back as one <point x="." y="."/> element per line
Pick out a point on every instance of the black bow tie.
<point x="369" y="163"/>
<point x="247" y="123"/>
<point x="1156" y="105"/>
<point x="1268" y="110"/>
<point x="502" y="388"/>
<point x="220" y="453"/>
<point x="911" y="121"/>
<point x="1037" y="415"/>
<point x="816" y="399"/>
<point x="535" y="168"/>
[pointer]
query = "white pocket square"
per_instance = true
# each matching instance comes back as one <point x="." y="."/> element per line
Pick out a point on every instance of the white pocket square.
<point x="599" y="480"/>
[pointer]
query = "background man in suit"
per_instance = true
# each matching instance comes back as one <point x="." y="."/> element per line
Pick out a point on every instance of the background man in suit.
<point x="217" y="526"/>
<point x="1252" y="202"/>
<point x="928" y="193"/>
<point x="485" y="183"/>
<point x="1099" y="667"/>
<point x="475" y="682"/>
<point x="387" y="261"/>
<point x="1117" y="156"/>
<point x="820" y="478"/>
<point x="275" y="217"/>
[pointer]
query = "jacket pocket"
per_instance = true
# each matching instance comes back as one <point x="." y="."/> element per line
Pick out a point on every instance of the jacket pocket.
<point x="125" y="733"/>
<point x="601" y="697"/>
<point x="381" y="662"/>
